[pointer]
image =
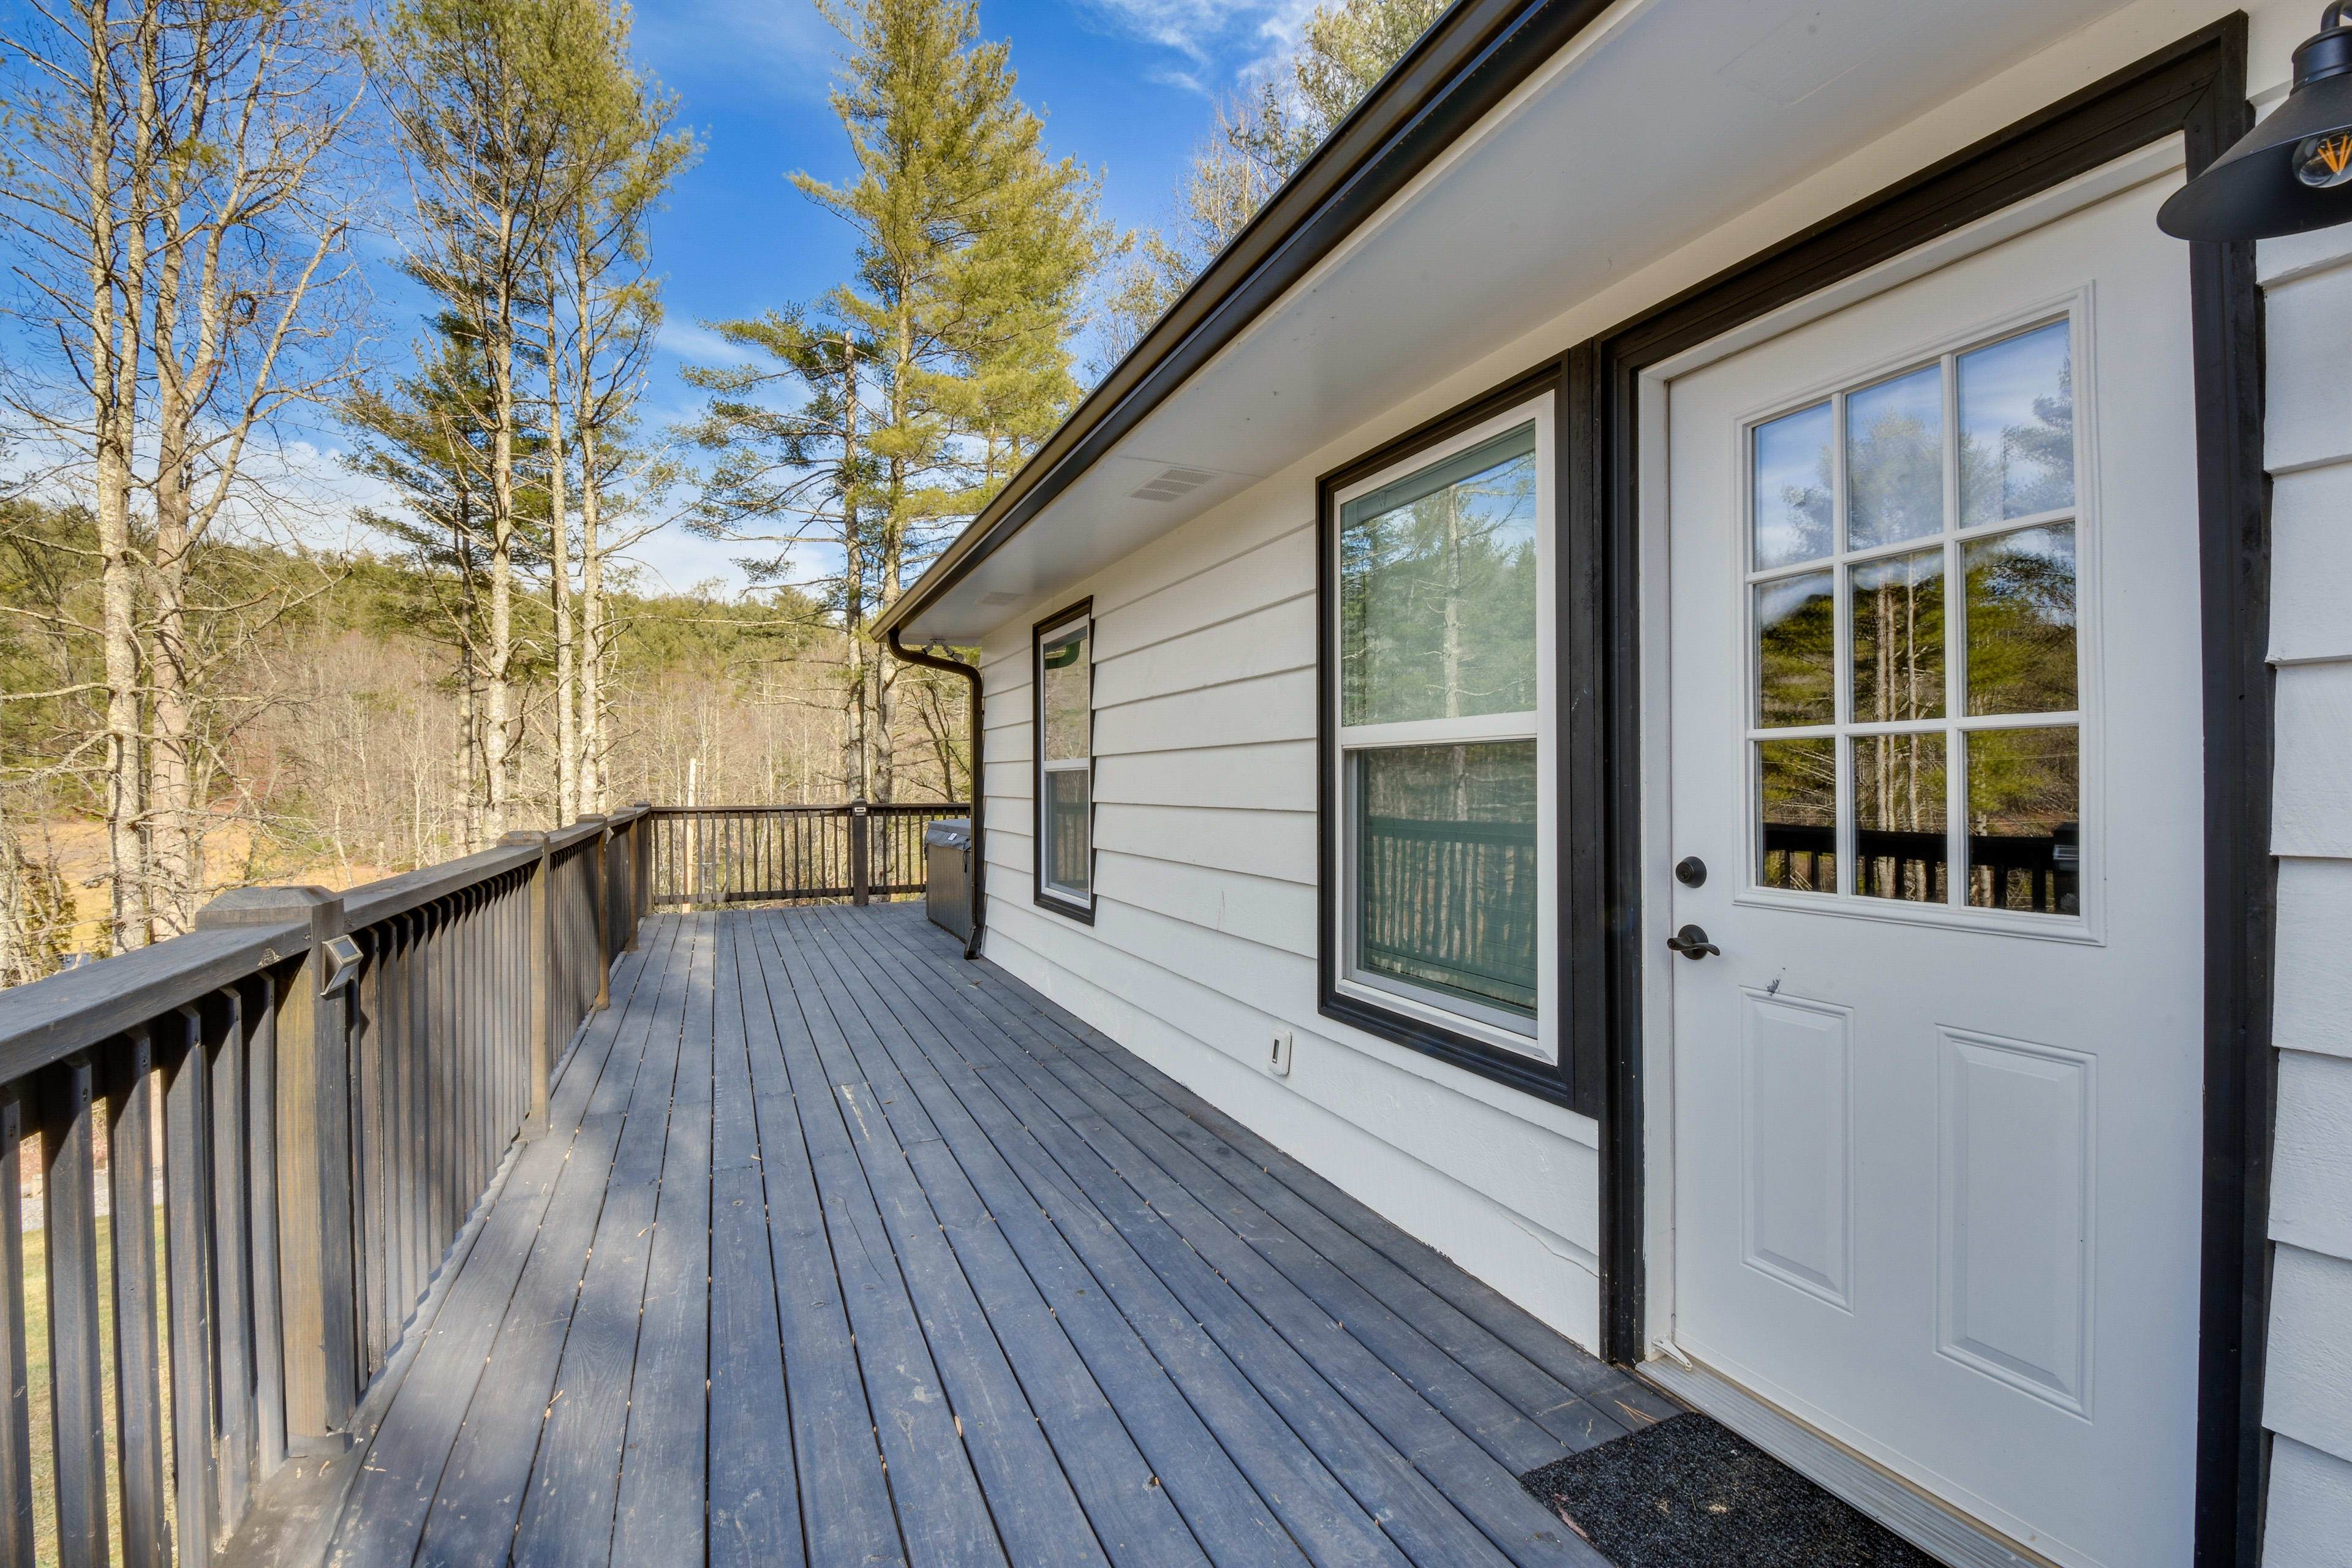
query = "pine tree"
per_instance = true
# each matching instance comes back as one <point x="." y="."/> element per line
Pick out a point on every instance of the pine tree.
<point x="1258" y="141"/>
<point x="945" y="360"/>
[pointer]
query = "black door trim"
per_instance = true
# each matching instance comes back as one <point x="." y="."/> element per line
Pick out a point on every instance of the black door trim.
<point x="2195" y="88"/>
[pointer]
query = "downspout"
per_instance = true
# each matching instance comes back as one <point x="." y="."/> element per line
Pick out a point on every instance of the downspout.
<point x="979" y="887"/>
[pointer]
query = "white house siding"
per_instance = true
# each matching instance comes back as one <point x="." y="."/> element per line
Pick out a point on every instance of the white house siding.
<point x="2307" y="1397"/>
<point x="1204" y="937"/>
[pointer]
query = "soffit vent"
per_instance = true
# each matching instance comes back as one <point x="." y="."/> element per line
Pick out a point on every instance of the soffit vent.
<point x="1001" y="598"/>
<point x="1173" y="482"/>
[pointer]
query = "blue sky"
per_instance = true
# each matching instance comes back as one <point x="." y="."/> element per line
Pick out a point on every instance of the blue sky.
<point x="1126" y="86"/>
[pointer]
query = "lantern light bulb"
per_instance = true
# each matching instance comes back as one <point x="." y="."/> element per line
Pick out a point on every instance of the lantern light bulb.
<point x="2325" y="162"/>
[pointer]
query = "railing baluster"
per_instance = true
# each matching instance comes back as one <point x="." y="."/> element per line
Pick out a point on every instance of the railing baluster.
<point x="232" y="1251"/>
<point x="186" y="1229"/>
<point x="138" y="1389"/>
<point x="261" y="1175"/>
<point x="16" y="1528"/>
<point x="367" y="1156"/>
<point x="76" y="1421"/>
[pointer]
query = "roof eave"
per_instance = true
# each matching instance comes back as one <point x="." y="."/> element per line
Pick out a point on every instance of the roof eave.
<point x="1466" y="64"/>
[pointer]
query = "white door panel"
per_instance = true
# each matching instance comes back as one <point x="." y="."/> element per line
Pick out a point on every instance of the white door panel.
<point x="1934" y="733"/>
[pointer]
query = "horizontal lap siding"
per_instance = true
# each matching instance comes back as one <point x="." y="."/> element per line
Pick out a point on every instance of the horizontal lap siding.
<point x="1203" y="945"/>
<point x="2307" y="1394"/>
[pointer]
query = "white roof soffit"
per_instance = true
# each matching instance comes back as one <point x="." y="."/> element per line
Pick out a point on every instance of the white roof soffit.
<point x="1636" y="127"/>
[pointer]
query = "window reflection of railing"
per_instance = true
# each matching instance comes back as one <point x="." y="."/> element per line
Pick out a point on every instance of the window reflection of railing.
<point x="2024" y="872"/>
<point x="1450" y="903"/>
<point x="1069" y="823"/>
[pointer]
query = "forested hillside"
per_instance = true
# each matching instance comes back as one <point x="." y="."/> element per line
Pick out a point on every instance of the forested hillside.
<point x="338" y="742"/>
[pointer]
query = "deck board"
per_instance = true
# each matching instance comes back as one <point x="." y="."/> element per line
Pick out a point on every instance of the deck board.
<point x="840" y="1250"/>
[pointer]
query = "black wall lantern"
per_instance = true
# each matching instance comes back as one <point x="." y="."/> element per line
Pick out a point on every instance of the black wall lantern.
<point x="2293" y="170"/>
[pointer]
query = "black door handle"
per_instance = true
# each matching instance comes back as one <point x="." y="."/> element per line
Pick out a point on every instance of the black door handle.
<point x="1691" y="942"/>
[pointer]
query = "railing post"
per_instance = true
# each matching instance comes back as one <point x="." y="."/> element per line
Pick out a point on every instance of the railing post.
<point x="641" y="869"/>
<point x="859" y="850"/>
<point x="632" y="883"/>
<point x="315" y="1284"/>
<point x="542" y="962"/>
<point x="602" y="892"/>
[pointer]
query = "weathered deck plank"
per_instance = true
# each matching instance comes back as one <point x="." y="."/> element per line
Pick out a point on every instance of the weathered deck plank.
<point x="842" y="1250"/>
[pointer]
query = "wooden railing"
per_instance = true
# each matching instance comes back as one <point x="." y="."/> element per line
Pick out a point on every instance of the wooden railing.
<point x="2010" y="871"/>
<point x="789" y="854"/>
<point x="286" y="1116"/>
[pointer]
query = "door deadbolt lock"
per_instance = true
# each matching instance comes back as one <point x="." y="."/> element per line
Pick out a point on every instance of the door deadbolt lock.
<point x="1690" y="871"/>
<point x="1691" y="942"/>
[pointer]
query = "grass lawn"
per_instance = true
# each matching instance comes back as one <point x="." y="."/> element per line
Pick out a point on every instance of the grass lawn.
<point x="37" y="1366"/>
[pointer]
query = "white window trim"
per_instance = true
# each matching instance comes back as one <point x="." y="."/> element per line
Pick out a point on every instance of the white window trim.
<point x="1541" y="1039"/>
<point x="1046" y="888"/>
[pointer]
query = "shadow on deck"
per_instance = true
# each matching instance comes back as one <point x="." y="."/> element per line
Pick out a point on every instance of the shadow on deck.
<point x="843" y="1250"/>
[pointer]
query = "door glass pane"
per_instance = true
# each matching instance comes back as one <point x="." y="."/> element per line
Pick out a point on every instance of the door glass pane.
<point x="1793" y="487"/>
<point x="1068" y="831"/>
<point x="1897" y="605"/>
<point x="1895" y="459"/>
<point x="1899" y="811"/>
<point x="1446" y="869"/>
<point x="1067" y="675"/>
<point x="2025" y="817"/>
<point x="2022" y="621"/>
<point x="1437" y="589"/>
<point x="2017" y="426"/>
<point x="1796" y="809"/>
<point x="1796" y="651"/>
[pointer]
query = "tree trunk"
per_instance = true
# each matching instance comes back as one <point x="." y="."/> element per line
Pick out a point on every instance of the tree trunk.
<point x="501" y="760"/>
<point x="558" y="578"/>
<point x="856" y="752"/>
<point x="592" y="784"/>
<point x="114" y="385"/>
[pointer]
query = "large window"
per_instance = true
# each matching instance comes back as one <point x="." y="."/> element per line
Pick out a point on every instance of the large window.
<point x="1066" y="718"/>
<point x="1440" y="570"/>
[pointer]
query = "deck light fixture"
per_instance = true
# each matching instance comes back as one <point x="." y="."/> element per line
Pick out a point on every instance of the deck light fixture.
<point x="2293" y="170"/>
<point x="343" y="957"/>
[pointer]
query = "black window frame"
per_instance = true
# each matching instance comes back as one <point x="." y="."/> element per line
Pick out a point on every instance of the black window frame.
<point x="1575" y="1079"/>
<point x="1041" y="895"/>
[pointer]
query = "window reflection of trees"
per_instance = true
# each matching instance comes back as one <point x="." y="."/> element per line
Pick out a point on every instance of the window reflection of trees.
<point x="2019" y="590"/>
<point x="2022" y="622"/>
<point x="1438" y="602"/>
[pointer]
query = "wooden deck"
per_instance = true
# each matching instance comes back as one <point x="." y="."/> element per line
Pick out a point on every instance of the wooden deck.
<point x="843" y="1250"/>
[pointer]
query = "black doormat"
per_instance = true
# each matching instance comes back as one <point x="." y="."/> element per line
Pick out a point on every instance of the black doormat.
<point x="1686" y="1493"/>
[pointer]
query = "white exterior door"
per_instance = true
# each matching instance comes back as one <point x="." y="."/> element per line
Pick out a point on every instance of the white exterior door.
<point x="1935" y="735"/>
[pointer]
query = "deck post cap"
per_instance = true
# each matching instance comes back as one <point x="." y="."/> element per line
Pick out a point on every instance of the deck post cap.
<point x="265" y="906"/>
<point x="522" y="836"/>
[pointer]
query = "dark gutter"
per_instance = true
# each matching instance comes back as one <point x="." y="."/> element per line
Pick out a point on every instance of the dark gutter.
<point x="977" y="888"/>
<point x="1478" y="52"/>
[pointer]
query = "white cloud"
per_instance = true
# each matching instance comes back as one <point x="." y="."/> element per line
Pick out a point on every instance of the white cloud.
<point x="698" y="344"/>
<point x="778" y="51"/>
<point x="1226" y="40"/>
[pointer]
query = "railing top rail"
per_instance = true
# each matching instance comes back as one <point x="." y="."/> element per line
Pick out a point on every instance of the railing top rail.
<point x="374" y="901"/>
<point x="50" y="1020"/>
<point x="874" y="808"/>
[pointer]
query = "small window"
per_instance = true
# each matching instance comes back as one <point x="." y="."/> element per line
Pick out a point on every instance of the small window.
<point x="1442" y="690"/>
<point x="1065" y="762"/>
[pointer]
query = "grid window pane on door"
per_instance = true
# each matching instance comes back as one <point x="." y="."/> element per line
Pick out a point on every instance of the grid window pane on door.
<point x="1065" y="761"/>
<point x="1439" y="693"/>
<point x="1912" y="630"/>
